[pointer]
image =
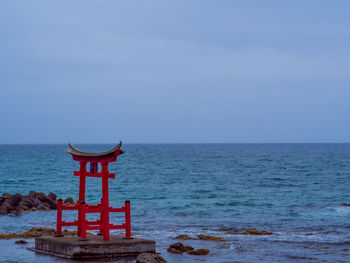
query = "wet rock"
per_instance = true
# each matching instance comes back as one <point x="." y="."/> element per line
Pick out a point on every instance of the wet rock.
<point x="184" y="237"/>
<point x="37" y="202"/>
<point x="69" y="201"/>
<point x="256" y="232"/>
<point x="28" y="201"/>
<point x="32" y="194"/>
<point x="22" y="205"/>
<point x="18" y="210"/>
<point x="7" y="205"/>
<point x="210" y="238"/>
<point x="174" y="251"/>
<point x="33" y="232"/>
<point x="5" y="195"/>
<point x="179" y="247"/>
<point x="34" y="201"/>
<point x="53" y="196"/>
<point x="199" y="252"/>
<point x="21" y="242"/>
<point x="3" y="210"/>
<point x="13" y="200"/>
<point x="250" y="232"/>
<point x="150" y="258"/>
<point x="45" y="199"/>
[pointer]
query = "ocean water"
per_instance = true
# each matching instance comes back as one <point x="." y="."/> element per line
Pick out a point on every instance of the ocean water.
<point x="292" y="190"/>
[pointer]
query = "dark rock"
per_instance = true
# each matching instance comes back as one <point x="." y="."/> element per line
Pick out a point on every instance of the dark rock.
<point x="3" y="210"/>
<point x="199" y="252"/>
<point x="51" y="203"/>
<point x="32" y="194"/>
<point x="13" y="200"/>
<point x="150" y="258"/>
<point x="28" y="201"/>
<point x="42" y="207"/>
<point x="210" y="238"/>
<point x="5" y="195"/>
<point x="174" y="251"/>
<point x="69" y="201"/>
<point x="184" y="237"/>
<point x="180" y="247"/>
<point x="7" y="205"/>
<point x="53" y="196"/>
<point x="37" y="202"/>
<point x="33" y="201"/>
<point x="22" y="205"/>
<point x="21" y="242"/>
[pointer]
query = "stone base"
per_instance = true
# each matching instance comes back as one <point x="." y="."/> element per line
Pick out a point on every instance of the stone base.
<point x="94" y="247"/>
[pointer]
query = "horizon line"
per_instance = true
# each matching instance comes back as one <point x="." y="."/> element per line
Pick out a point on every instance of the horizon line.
<point x="97" y="143"/>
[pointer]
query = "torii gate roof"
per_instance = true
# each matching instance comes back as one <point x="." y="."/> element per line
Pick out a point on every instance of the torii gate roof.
<point x="111" y="153"/>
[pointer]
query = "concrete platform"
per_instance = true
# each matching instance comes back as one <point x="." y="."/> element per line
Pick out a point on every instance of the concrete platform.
<point x="95" y="247"/>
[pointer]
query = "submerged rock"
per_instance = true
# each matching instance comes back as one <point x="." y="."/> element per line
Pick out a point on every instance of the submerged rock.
<point x="199" y="252"/>
<point x="174" y="251"/>
<point x="21" y="242"/>
<point x="33" y="232"/>
<point x="150" y="258"/>
<point x="210" y="238"/>
<point x="184" y="237"/>
<point x="250" y="232"/>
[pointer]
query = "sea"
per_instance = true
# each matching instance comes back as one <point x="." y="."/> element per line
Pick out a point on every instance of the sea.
<point x="295" y="191"/>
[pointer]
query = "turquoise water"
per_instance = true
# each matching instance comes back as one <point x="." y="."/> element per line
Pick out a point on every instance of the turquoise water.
<point x="292" y="190"/>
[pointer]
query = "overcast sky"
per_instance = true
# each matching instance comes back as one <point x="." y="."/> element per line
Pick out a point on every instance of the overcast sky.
<point x="174" y="71"/>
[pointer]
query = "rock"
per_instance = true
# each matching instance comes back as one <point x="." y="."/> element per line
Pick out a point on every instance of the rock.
<point x="21" y="242"/>
<point x="174" y="251"/>
<point x="37" y="203"/>
<point x="41" y="207"/>
<point x="44" y="231"/>
<point x="19" y="210"/>
<point x="184" y="237"/>
<point x="256" y="232"/>
<point x="5" y="195"/>
<point x="7" y="206"/>
<point x="3" y="210"/>
<point x="33" y="201"/>
<point x="3" y="236"/>
<point x="32" y="194"/>
<point x="211" y="238"/>
<point x="13" y="200"/>
<point x="69" y="201"/>
<point x="250" y="232"/>
<point x="53" y="196"/>
<point x="22" y="205"/>
<point x="28" y="201"/>
<point x="150" y="258"/>
<point x="199" y="252"/>
<point x="179" y="247"/>
<point x="45" y="199"/>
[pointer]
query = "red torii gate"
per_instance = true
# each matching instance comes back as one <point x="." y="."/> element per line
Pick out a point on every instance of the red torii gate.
<point x="103" y="208"/>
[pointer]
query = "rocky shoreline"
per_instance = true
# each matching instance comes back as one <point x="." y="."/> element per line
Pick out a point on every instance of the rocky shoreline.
<point x="34" y="201"/>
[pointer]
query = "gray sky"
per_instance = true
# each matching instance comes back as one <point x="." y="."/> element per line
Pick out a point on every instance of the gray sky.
<point x="174" y="71"/>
